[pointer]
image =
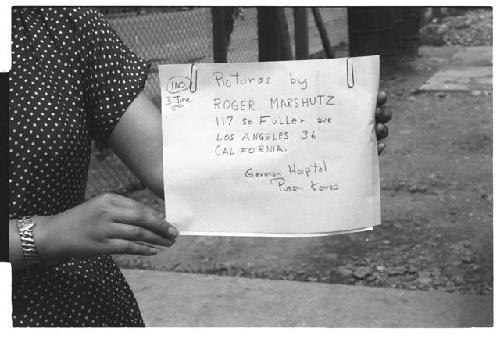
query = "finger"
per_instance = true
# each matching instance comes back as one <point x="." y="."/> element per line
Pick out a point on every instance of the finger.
<point x="134" y="233"/>
<point x="382" y="131"/>
<point x="143" y="217"/>
<point x="140" y="215"/>
<point x="381" y="98"/>
<point x="149" y="245"/>
<point x="383" y="114"/>
<point x="120" y="246"/>
<point x="380" y="147"/>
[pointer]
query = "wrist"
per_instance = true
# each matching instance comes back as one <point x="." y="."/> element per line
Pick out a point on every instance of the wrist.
<point x="46" y="237"/>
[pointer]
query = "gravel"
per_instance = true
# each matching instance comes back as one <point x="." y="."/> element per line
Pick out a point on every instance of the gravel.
<point x="474" y="28"/>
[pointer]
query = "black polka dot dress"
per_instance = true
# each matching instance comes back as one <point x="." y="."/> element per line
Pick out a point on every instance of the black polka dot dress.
<point x="71" y="80"/>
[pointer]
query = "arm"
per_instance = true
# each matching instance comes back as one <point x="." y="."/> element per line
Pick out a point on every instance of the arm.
<point x="107" y="224"/>
<point x="137" y="140"/>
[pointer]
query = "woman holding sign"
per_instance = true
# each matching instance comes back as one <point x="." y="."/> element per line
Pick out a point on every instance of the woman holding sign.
<point x="73" y="80"/>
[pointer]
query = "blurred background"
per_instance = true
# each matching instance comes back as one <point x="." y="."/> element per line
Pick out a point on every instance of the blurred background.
<point x="436" y="174"/>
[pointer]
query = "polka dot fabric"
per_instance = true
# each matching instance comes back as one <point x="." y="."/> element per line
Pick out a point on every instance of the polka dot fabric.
<point x="71" y="80"/>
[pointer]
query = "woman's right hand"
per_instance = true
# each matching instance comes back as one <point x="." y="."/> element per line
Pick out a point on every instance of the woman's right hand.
<point x="107" y="224"/>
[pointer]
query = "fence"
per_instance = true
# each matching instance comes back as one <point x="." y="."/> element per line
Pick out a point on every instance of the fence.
<point x="184" y="35"/>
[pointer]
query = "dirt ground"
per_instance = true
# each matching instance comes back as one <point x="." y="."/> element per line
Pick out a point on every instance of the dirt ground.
<point x="436" y="192"/>
<point x="436" y="181"/>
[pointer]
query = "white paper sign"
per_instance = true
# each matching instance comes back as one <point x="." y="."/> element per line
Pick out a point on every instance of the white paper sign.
<point x="271" y="149"/>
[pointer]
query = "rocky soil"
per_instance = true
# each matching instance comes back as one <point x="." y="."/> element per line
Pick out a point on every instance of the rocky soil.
<point x="473" y="28"/>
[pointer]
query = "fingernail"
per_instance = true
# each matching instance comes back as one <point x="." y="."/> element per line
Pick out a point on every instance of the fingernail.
<point x="173" y="231"/>
<point x="154" y="250"/>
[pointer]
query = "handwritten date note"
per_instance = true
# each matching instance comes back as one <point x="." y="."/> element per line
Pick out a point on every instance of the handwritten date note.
<point x="271" y="149"/>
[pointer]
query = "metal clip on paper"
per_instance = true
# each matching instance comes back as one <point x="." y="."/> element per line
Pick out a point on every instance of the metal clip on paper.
<point x="350" y="73"/>
<point x="193" y="79"/>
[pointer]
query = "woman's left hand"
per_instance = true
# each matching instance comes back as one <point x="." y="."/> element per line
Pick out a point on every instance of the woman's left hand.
<point x="382" y="116"/>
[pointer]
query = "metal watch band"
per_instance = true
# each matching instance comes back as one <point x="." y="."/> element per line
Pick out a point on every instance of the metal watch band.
<point x="25" y="226"/>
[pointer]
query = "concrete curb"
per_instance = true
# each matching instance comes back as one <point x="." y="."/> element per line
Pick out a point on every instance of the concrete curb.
<point x="190" y="300"/>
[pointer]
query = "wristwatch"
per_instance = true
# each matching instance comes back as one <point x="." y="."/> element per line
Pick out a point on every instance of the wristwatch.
<point x="25" y="225"/>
